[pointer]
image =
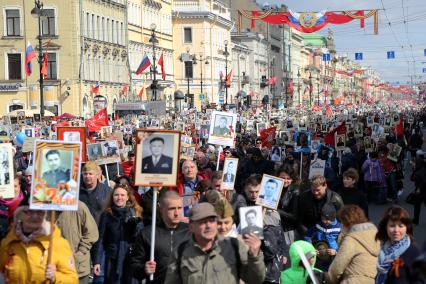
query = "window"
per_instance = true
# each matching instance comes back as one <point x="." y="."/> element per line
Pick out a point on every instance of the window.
<point x="107" y="31"/>
<point x="122" y="33"/>
<point x="48" y="23"/>
<point x="13" y="22"/>
<point x="189" y="71"/>
<point x="92" y="33"/>
<point x="14" y="63"/>
<point x="112" y="32"/>
<point x="187" y="32"/>
<point x="87" y="25"/>
<point x="52" y="72"/>
<point x="103" y="28"/>
<point x="98" y="27"/>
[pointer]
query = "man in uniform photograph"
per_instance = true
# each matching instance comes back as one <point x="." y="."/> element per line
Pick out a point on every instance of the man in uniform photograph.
<point x="222" y="128"/>
<point x="157" y="163"/>
<point x="252" y="227"/>
<point x="270" y="191"/>
<point x="56" y="174"/>
<point x="229" y="175"/>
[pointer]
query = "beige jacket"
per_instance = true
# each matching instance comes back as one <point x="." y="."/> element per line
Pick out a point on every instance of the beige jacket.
<point x="355" y="262"/>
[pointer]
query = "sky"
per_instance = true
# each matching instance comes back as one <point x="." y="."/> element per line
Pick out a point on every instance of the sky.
<point x="402" y="29"/>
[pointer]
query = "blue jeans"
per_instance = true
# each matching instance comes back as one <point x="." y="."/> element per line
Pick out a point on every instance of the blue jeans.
<point x="392" y="185"/>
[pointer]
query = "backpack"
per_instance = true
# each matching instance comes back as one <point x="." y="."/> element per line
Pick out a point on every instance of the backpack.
<point x="273" y="247"/>
<point x="235" y="245"/>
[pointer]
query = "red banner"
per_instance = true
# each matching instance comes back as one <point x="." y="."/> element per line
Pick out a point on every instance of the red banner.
<point x="97" y="121"/>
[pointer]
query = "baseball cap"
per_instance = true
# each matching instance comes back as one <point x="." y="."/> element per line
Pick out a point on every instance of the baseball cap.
<point x="202" y="211"/>
<point x="328" y="212"/>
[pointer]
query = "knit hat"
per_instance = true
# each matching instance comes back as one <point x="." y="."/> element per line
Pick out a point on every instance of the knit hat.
<point x="29" y="171"/>
<point x="328" y="212"/>
<point x="90" y="166"/>
<point x="223" y="209"/>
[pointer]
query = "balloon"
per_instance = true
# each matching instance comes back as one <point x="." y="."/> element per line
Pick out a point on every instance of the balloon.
<point x="20" y="138"/>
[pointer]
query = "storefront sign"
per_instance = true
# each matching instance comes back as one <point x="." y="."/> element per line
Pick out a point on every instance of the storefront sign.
<point x="9" y="87"/>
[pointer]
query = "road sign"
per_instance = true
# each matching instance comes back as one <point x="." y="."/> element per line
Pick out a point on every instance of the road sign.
<point x="358" y="56"/>
<point x="424" y="70"/>
<point x="391" y="54"/>
<point x="326" y="57"/>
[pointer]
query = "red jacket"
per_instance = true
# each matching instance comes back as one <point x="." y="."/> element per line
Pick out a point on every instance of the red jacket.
<point x="179" y="188"/>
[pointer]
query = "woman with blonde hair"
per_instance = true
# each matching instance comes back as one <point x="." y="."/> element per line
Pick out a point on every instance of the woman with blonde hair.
<point x="117" y="230"/>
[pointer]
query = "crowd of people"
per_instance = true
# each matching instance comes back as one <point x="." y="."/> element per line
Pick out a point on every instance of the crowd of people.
<point x="320" y="231"/>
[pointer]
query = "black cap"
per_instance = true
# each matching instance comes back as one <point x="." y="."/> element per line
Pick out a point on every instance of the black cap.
<point x="328" y="212"/>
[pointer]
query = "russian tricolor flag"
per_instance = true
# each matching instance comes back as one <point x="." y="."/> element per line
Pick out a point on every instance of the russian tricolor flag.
<point x="29" y="55"/>
<point x="144" y="64"/>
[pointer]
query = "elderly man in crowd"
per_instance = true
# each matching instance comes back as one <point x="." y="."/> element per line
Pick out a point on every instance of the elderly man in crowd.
<point x="170" y="232"/>
<point x="205" y="258"/>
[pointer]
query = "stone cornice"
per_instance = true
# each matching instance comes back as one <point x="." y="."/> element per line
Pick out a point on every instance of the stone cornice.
<point x="202" y="14"/>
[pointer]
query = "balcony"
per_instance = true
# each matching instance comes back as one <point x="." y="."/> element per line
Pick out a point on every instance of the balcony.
<point x="189" y="6"/>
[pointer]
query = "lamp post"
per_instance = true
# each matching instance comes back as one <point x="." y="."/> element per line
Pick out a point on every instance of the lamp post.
<point x="298" y="84"/>
<point x="153" y="39"/>
<point x="187" y="74"/>
<point x="226" y="53"/>
<point x="38" y="12"/>
<point x="310" y="89"/>
<point x="318" y="90"/>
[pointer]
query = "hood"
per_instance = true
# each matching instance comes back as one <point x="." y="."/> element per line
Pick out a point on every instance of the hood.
<point x="43" y="239"/>
<point x="306" y="247"/>
<point x="364" y="234"/>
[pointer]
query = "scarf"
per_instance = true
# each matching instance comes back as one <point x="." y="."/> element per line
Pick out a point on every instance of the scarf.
<point x="27" y="239"/>
<point x="388" y="254"/>
<point x="11" y="204"/>
<point x="122" y="212"/>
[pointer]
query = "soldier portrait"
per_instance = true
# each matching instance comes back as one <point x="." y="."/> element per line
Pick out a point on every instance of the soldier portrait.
<point x="157" y="162"/>
<point x="94" y="151"/>
<point x="251" y="221"/>
<point x="270" y="191"/>
<point x="71" y="136"/>
<point x="110" y="148"/>
<point x="222" y="125"/>
<point x="56" y="166"/>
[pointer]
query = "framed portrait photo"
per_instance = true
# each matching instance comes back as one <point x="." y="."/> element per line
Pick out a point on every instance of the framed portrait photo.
<point x="56" y="176"/>
<point x="157" y="157"/>
<point x="6" y="171"/>
<point x="73" y="134"/>
<point x="37" y="117"/>
<point x="222" y="128"/>
<point x="106" y="131"/>
<point x="251" y="221"/>
<point x="259" y="127"/>
<point x="230" y="167"/>
<point x="94" y="151"/>
<point x="29" y="132"/>
<point x="340" y="142"/>
<point x="270" y="191"/>
<point x="275" y="154"/>
<point x="395" y="153"/>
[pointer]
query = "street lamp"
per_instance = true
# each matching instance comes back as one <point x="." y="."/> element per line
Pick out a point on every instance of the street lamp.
<point x="226" y="53"/>
<point x="201" y="70"/>
<point x="153" y="39"/>
<point x="187" y="74"/>
<point x="38" y="12"/>
<point x="298" y="84"/>
<point x="310" y="89"/>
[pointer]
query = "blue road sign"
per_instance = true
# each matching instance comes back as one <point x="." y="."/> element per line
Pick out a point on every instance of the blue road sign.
<point x="358" y="56"/>
<point x="424" y="70"/>
<point x="326" y="57"/>
<point x="391" y="54"/>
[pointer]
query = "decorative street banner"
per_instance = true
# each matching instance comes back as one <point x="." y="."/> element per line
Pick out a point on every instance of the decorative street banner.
<point x="309" y="22"/>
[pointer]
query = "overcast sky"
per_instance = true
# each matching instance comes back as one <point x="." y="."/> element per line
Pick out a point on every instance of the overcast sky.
<point x="405" y="35"/>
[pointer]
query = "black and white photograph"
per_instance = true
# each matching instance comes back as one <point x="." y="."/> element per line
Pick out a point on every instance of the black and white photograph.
<point x="56" y="178"/>
<point x="71" y="136"/>
<point x="229" y="173"/>
<point x="186" y="140"/>
<point x="315" y="144"/>
<point x="94" y="151"/>
<point x="324" y="127"/>
<point x="275" y="154"/>
<point x="340" y="142"/>
<point x="29" y="132"/>
<point x="395" y="153"/>
<point x="106" y="131"/>
<point x="302" y="125"/>
<point x="370" y="121"/>
<point x="155" y="123"/>
<point x="37" y="117"/>
<point x="157" y="157"/>
<point x="110" y="149"/>
<point x="270" y="191"/>
<point x="222" y="128"/>
<point x="358" y="130"/>
<point x="251" y="221"/>
<point x="20" y="117"/>
<point x="6" y="171"/>
<point x="285" y="136"/>
<point x="367" y="144"/>
<point x="259" y="127"/>
<point x="204" y="131"/>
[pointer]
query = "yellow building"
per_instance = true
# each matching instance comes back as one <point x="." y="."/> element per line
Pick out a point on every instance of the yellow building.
<point x="86" y="43"/>
<point x="200" y="30"/>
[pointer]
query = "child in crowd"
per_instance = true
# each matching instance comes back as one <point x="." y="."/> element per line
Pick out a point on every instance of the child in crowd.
<point x="324" y="236"/>
<point x="297" y="273"/>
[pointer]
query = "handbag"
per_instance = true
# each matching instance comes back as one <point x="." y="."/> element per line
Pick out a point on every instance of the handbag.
<point x="413" y="198"/>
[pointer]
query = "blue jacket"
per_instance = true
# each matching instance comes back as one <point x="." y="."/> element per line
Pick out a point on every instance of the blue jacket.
<point x="321" y="232"/>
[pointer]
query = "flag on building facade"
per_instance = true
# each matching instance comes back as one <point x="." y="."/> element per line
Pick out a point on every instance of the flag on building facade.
<point x="95" y="89"/>
<point x="229" y="78"/>
<point x="145" y="63"/>
<point x="44" y="66"/>
<point x="161" y="63"/>
<point x="125" y="90"/>
<point x="30" y="54"/>
<point x="272" y="81"/>
<point x="141" y="92"/>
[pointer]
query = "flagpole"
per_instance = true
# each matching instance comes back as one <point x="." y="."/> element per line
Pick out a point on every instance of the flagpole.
<point x="37" y="11"/>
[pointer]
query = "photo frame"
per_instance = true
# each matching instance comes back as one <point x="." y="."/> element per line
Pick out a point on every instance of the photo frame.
<point x="370" y="121"/>
<point x="222" y="128"/>
<point x="259" y="127"/>
<point x="270" y="191"/>
<point x="340" y="142"/>
<point x="6" y="171"/>
<point x="13" y="120"/>
<point x="73" y="134"/>
<point x="251" y="220"/>
<point x="94" y="151"/>
<point x="395" y="153"/>
<point x="37" y="117"/>
<point x="157" y="157"/>
<point x="29" y="131"/>
<point x="276" y="154"/>
<point x="56" y="175"/>
<point x="106" y="132"/>
<point x="368" y="145"/>
<point x="229" y="173"/>
<point x="187" y="152"/>
<point x="20" y="115"/>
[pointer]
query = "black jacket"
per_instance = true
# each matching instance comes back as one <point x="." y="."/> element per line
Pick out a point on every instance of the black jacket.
<point x="95" y="199"/>
<point x="353" y="196"/>
<point x="407" y="276"/>
<point x="287" y="208"/>
<point x="166" y="241"/>
<point x="309" y="209"/>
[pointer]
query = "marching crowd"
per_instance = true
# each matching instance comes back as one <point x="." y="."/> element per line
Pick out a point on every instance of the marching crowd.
<point x="319" y="233"/>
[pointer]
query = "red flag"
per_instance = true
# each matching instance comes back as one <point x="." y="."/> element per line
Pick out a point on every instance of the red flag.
<point x="161" y="63"/>
<point x="252" y="25"/>
<point x="141" y="92"/>
<point x="329" y="137"/>
<point x="267" y="136"/>
<point x="272" y="81"/>
<point x="328" y="111"/>
<point x="97" y="121"/>
<point x="399" y="128"/>
<point x="125" y="90"/>
<point x="95" y="89"/>
<point x="44" y="66"/>
<point x="229" y="78"/>
<point x="362" y="21"/>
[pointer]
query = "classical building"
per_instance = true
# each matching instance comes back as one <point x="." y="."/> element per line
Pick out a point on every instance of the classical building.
<point x="85" y="42"/>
